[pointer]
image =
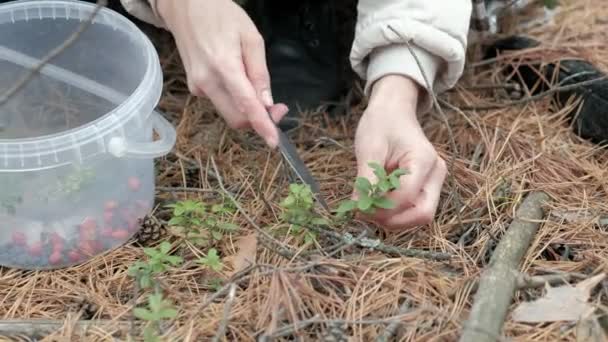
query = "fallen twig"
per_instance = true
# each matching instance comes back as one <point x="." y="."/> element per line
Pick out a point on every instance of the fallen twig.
<point x="227" y="307"/>
<point x="376" y="244"/>
<point x="54" y="53"/>
<point x="41" y="327"/>
<point x="499" y="282"/>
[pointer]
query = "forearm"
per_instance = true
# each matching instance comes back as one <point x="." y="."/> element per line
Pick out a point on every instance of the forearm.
<point x="436" y="30"/>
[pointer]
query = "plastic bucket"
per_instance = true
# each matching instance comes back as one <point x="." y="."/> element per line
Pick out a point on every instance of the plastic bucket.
<point x="76" y="142"/>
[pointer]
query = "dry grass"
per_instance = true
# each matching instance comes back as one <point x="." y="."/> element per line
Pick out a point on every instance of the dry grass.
<point x="502" y="154"/>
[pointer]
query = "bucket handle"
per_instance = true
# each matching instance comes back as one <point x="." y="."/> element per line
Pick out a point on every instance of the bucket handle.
<point x="121" y="147"/>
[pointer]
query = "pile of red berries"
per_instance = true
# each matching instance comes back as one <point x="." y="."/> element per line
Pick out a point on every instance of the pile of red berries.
<point x="115" y="224"/>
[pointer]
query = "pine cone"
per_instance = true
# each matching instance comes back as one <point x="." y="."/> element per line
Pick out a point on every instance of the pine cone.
<point x="151" y="230"/>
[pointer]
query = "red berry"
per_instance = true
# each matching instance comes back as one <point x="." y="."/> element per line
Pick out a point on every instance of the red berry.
<point x="55" y="258"/>
<point x="74" y="256"/>
<point x="19" y="239"/>
<point x="120" y="234"/>
<point x="36" y="249"/>
<point x="111" y="205"/>
<point x="108" y="216"/>
<point x="134" y="183"/>
<point x="107" y="232"/>
<point x="57" y="247"/>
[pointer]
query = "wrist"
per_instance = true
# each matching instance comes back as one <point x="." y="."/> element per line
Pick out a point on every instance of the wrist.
<point x="395" y="91"/>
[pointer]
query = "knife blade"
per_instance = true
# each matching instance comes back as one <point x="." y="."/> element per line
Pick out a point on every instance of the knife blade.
<point x="295" y="162"/>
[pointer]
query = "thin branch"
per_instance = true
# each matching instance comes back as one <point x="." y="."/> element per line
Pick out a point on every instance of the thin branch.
<point x="227" y="307"/>
<point x="376" y="244"/>
<point x="54" y="53"/>
<point x="499" y="282"/>
<point x="536" y="97"/>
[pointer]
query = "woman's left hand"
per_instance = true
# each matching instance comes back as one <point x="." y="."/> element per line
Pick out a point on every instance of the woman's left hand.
<point x="389" y="133"/>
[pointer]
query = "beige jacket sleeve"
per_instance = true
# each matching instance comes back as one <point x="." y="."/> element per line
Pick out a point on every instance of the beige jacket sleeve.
<point x="436" y="29"/>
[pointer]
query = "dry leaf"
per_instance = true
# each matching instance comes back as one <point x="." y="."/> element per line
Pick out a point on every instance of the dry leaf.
<point x="563" y="303"/>
<point x="245" y="255"/>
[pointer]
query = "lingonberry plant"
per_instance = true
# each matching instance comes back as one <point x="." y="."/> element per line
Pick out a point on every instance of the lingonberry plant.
<point x="159" y="260"/>
<point x="212" y="260"/>
<point x="157" y="309"/>
<point x="298" y="210"/>
<point x="193" y="221"/>
<point x="373" y="196"/>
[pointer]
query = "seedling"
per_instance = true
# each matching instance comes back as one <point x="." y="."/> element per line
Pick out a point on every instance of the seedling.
<point x="192" y="221"/>
<point x="212" y="260"/>
<point x="373" y="196"/>
<point x="298" y="206"/>
<point x="158" y="261"/>
<point x="157" y="310"/>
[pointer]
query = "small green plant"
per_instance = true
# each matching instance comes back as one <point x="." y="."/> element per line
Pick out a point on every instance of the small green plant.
<point x="299" y="210"/>
<point x="157" y="309"/>
<point x="195" y="223"/>
<point x="159" y="260"/>
<point x="212" y="260"/>
<point x="373" y="196"/>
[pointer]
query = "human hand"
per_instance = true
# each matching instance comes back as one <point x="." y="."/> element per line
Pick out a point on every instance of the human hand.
<point x="389" y="134"/>
<point x="225" y="59"/>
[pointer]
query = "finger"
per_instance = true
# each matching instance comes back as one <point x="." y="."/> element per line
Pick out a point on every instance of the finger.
<point x="223" y="104"/>
<point x="368" y="152"/>
<point x="425" y="206"/>
<point x="419" y="169"/>
<point x="278" y="111"/>
<point x="254" y="58"/>
<point x="248" y="104"/>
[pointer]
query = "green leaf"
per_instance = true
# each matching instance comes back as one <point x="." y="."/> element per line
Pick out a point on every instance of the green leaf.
<point x="395" y="182"/>
<point x="165" y="247"/>
<point x="155" y="302"/>
<point x="144" y="314"/>
<point x="365" y="203"/>
<point x="231" y="227"/>
<point x="384" y="203"/>
<point x="217" y="235"/>
<point x="289" y="201"/>
<point x="174" y="260"/>
<point x="319" y="221"/>
<point x="399" y="172"/>
<point x="310" y="237"/>
<point x="168" y="313"/>
<point x="384" y="185"/>
<point x="177" y="221"/>
<point x="216" y="208"/>
<point x="378" y="170"/>
<point x="363" y="185"/>
<point x="346" y="206"/>
<point x="145" y="281"/>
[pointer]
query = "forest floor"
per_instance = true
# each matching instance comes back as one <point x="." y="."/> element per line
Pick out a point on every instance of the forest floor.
<point x="275" y="282"/>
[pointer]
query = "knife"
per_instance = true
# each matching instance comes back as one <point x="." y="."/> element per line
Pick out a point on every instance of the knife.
<point x="295" y="162"/>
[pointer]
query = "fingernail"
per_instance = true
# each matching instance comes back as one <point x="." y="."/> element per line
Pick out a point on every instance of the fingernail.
<point x="267" y="98"/>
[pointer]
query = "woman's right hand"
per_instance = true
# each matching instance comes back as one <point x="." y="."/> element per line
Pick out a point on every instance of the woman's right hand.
<point x="225" y="59"/>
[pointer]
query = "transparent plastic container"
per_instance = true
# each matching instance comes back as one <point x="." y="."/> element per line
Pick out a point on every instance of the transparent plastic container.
<point x="77" y="142"/>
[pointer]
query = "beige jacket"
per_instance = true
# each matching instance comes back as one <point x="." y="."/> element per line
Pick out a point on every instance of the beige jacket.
<point x="437" y="30"/>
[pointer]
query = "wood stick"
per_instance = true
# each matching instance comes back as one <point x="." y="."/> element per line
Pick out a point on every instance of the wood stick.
<point x="499" y="282"/>
<point x="39" y="327"/>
